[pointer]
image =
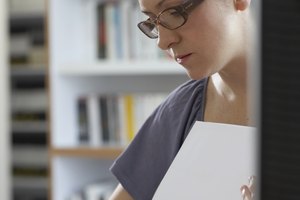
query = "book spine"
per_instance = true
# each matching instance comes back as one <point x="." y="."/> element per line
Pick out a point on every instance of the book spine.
<point x="110" y="31"/>
<point x="114" y="119"/>
<point x="104" y="119"/>
<point x="125" y="29"/>
<point x="95" y="130"/>
<point x="122" y="121"/>
<point x="83" y="120"/>
<point x="129" y="110"/>
<point x="118" y="31"/>
<point x="101" y="38"/>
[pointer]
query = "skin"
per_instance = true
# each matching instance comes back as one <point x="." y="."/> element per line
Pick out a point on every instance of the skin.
<point x="219" y="52"/>
<point x="248" y="191"/>
<point x="215" y="38"/>
<point x="120" y="194"/>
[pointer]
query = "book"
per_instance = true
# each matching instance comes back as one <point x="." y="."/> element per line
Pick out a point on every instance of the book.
<point x="94" y="122"/>
<point x="113" y="119"/>
<point x="101" y="37"/>
<point x="109" y="119"/>
<point x="214" y="161"/>
<point x="83" y="135"/>
<point x="104" y="119"/>
<point x="35" y="138"/>
<point x="29" y="171"/>
<point x="129" y="118"/>
<point x="110" y="34"/>
<point x="125" y="29"/>
<point x="118" y="31"/>
<point x="28" y="116"/>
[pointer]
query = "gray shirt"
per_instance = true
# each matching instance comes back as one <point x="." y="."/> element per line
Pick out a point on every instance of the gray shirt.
<point x="142" y="166"/>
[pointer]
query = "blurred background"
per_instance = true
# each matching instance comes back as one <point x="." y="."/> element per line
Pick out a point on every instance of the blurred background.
<point x="85" y="67"/>
<point x="76" y="42"/>
<point x="27" y="60"/>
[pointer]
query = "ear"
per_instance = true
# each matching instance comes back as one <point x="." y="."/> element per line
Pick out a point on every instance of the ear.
<point x="241" y="5"/>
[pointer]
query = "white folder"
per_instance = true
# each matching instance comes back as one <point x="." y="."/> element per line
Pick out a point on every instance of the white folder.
<point x="213" y="163"/>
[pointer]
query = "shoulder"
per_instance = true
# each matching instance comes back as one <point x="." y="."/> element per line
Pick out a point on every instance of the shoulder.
<point x="187" y="99"/>
<point x="158" y="141"/>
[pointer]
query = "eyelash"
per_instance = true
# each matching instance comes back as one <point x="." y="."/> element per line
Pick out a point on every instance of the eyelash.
<point x="175" y="13"/>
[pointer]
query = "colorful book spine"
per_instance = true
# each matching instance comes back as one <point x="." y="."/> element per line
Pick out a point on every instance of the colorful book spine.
<point x="118" y="35"/>
<point x="112" y="119"/>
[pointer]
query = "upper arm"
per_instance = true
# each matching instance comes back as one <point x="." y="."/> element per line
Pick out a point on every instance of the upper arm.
<point x="120" y="194"/>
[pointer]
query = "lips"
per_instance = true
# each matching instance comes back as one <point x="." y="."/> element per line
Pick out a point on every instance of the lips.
<point x="182" y="58"/>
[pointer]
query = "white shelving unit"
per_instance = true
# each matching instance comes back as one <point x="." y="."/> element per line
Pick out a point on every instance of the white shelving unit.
<point x="5" y="181"/>
<point x="75" y="70"/>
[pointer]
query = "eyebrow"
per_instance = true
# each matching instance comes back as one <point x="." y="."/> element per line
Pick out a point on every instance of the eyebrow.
<point x="160" y="4"/>
<point x="148" y="13"/>
<point x="157" y="6"/>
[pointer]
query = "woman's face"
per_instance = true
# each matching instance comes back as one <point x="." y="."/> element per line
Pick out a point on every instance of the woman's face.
<point x="207" y="42"/>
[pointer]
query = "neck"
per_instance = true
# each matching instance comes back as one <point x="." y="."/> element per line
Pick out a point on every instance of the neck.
<point x="227" y="97"/>
<point x="234" y="75"/>
<point x="231" y="82"/>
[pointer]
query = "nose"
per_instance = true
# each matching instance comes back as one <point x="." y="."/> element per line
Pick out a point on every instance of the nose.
<point x="166" y="38"/>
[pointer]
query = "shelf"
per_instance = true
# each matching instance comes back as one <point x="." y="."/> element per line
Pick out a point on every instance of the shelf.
<point x="30" y="156"/>
<point x="30" y="182"/>
<point x="120" y="68"/>
<point x="27" y="71"/>
<point x="88" y="152"/>
<point x="27" y="9"/>
<point x="30" y="126"/>
<point x="22" y="19"/>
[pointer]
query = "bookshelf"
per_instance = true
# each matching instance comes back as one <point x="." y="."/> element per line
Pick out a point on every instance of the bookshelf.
<point x="5" y="180"/>
<point x="76" y="70"/>
<point x="29" y="101"/>
<point x="29" y="133"/>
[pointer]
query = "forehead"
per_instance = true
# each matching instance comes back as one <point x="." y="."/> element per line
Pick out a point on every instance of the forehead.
<point x="157" y="5"/>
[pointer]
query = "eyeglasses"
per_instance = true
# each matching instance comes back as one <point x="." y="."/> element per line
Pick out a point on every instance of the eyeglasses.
<point x="170" y="18"/>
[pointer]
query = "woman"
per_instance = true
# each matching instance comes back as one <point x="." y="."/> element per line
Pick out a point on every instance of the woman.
<point x="209" y="38"/>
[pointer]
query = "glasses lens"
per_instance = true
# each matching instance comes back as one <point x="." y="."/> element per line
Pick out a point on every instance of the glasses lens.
<point x="171" y="18"/>
<point x="148" y="28"/>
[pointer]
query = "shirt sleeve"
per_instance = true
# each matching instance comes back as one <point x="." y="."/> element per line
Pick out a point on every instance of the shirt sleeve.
<point x="142" y="166"/>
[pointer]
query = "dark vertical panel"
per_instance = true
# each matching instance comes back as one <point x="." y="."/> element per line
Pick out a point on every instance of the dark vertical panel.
<point x="280" y="127"/>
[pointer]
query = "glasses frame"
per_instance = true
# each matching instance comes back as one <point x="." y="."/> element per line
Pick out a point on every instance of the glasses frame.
<point x="182" y="9"/>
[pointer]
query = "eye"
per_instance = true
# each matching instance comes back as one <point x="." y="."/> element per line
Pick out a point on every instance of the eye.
<point x="171" y="13"/>
<point x="151" y="19"/>
<point x="174" y="13"/>
<point x="148" y="25"/>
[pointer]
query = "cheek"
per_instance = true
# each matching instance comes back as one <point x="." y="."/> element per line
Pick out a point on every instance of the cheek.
<point x="202" y="29"/>
<point x="210" y="36"/>
<point x="208" y="24"/>
<point x="212" y="52"/>
<point x="207" y="40"/>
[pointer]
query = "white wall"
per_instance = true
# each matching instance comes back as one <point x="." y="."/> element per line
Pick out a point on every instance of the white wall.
<point x="5" y="188"/>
